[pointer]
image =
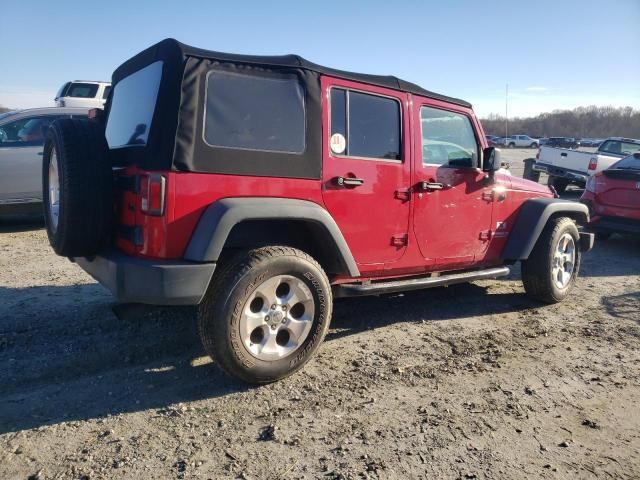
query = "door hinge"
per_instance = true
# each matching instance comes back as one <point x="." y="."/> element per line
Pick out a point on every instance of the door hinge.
<point x="403" y="194"/>
<point x="485" y="235"/>
<point x="400" y="240"/>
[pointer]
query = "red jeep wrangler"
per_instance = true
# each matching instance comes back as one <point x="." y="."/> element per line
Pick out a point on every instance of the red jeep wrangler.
<point x="260" y="188"/>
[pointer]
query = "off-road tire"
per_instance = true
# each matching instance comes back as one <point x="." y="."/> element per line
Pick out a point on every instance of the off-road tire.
<point x="537" y="269"/>
<point x="234" y="281"/>
<point x="559" y="184"/>
<point x="86" y="202"/>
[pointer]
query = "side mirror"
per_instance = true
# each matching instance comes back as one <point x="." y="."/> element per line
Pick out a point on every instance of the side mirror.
<point x="491" y="160"/>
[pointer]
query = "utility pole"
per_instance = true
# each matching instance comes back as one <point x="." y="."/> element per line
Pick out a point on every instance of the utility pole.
<point x="506" y="111"/>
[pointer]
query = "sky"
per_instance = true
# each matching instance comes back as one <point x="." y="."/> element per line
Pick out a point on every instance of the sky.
<point x="552" y="54"/>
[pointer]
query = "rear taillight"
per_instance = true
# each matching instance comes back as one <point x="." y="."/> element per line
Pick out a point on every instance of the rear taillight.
<point x="152" y="194"/>
<point x="593" y="163"/>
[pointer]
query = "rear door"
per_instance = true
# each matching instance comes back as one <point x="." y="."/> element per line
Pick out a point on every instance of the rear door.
<point x="453" y="200"/>
<point x="366" y="169"/>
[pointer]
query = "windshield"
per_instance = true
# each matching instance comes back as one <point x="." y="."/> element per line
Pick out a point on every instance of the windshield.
<point x="132" y="107"/>
<point x="618" y="147"/>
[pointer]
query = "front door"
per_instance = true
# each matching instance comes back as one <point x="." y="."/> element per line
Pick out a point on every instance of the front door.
<point x="453" y="200"/>
<point x="366" y="170"/>
<point x="21" y="144"/>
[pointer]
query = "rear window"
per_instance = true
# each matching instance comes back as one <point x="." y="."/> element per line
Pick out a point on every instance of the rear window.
<point x="619" y="148"/>
<point x="629" y="163"/>
<point x="82" y="90"/>
<point x="132" y="107"/>
<point x="255" y="112"/>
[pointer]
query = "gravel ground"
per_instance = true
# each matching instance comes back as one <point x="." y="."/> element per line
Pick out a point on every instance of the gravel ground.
<point x="470" y="381"/>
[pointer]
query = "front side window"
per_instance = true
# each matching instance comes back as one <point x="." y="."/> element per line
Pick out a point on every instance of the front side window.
<point x="447" y="138"/>
<point x="26" y="132"/>
<point x="82" y="90"/>
<point x="365" y="125"/>
<point x="132" y="107"/>
<point x="255" y="112"/>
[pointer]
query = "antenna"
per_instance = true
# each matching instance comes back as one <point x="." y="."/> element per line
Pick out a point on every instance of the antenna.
<point x="506" y="111"/>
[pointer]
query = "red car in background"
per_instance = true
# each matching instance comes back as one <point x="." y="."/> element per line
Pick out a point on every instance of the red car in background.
<point x="613" y="198"/>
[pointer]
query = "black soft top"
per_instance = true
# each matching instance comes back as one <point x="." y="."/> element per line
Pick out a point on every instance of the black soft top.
<point x="174" y="53"/>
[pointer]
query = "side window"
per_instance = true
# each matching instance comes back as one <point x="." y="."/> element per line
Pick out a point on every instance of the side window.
<point x="447" y="138"/>
<point x="26" y="132"/>
<point x="107" y="90"/>
<point x="365" y="125"/>
<point x="255" y="112"/>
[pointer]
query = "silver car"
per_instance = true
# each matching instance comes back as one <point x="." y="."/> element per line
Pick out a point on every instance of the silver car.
<point x="22" y="135"/>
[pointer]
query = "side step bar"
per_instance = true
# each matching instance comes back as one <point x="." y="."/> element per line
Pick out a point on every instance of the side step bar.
<point x="362" y="289"/>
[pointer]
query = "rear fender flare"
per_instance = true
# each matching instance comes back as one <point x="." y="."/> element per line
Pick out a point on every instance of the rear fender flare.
<point x="219" y="218"/>
<point x="531" y="220"/>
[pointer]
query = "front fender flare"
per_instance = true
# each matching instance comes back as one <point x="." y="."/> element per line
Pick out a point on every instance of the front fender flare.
<point x="220" y="217"/>
<point x="532" y="218"/>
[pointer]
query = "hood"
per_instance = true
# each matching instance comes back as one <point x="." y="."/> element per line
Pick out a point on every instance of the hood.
<point x="521" y="184"/>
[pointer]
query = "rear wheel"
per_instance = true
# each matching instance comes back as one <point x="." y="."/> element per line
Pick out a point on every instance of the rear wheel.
<point x="512" y="145"/>
<point x="559" y="184"/>
<point x="77" y="187"/>
<point x="550" y="272"/>
<point x="266" y="313"/>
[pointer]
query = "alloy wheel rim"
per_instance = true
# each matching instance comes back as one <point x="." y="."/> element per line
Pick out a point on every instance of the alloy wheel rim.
<point x="54" y="191"/>
<point x="564" y="258"/>
<point x="277" y="318"/>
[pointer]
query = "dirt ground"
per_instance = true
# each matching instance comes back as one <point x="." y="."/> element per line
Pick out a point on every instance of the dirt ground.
<point x="470" y="381"/>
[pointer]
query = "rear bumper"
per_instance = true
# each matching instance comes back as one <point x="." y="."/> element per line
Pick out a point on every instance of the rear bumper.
<point x="554" y="171"/>
<point x="154" y="282"/>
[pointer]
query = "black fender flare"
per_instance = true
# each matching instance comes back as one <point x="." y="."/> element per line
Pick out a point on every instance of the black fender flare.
<point x="531" y="220"/>
<point x="220" y="217"/>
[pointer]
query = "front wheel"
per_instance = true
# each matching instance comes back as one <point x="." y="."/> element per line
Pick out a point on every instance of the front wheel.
<point x="266" y="313"/>
<point x="550" y="272"/>
<point x="533" y="145"/>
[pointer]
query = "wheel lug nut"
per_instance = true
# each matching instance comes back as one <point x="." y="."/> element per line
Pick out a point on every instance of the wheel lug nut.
<point x="267" y="318"/>
<point x="284" y="307"/>
<point x="273" y="327"/>
<point x="273" y="307"/>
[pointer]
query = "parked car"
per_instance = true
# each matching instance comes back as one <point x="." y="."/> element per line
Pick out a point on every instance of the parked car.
<point x="566" y="167"/>
<point x="562" y="142"/>
<point x="83" y="94"/>
<point x="492" y="140"/>
<point x="590" y="142"/>
<point x="260" y="188"/>
<point x="22" y="135"/>
<point x="613" y="198"/>
<point x="520" y="141"/>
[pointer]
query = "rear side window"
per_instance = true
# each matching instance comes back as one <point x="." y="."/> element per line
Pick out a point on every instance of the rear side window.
<point x="365" y="125"/>
<point x="255" y="112"/>
<point x="618" y="147"/>
<point x="132" y="107"/>
<point x="447" y="138"/>
<point x="107" y="90"/>
<point x="82" y="90"/>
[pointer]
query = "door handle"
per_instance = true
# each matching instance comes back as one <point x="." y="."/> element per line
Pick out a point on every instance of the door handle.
<point x="429" y="186"/>
<point x="348" y="181"/>
<point x="40" y="153"/>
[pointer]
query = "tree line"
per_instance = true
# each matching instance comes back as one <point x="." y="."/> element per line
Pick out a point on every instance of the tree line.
<point x="3" y="109"/>
<point x="581" y="122"/>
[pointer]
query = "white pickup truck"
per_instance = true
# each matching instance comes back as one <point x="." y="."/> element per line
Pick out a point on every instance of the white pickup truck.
<point x="565" y="166"/>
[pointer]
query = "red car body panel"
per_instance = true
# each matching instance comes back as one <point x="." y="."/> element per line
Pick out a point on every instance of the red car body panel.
<point x="391" y="228"/>
<point x="613" y="197"/>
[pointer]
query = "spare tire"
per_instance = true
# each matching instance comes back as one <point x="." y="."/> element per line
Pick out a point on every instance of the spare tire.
<point x="77" y="187"/>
